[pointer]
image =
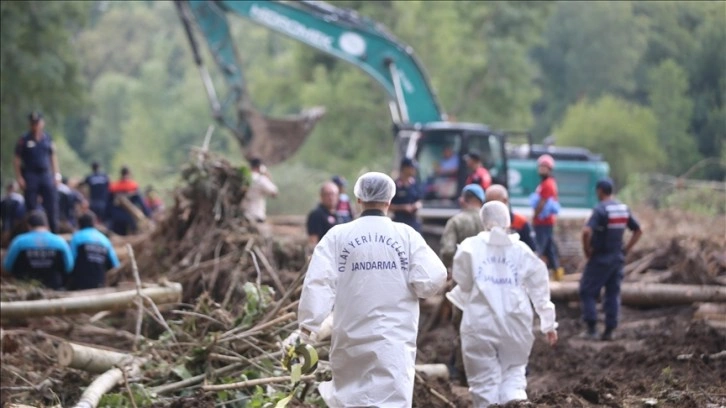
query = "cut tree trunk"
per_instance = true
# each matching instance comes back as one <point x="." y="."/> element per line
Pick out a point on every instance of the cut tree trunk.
<point x="89" y="359"/>
<point x="171" y="293"/>
<point x="653" y="294"/>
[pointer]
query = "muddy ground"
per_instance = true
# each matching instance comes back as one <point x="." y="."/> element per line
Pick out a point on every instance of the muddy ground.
<point x="640" y="364"/>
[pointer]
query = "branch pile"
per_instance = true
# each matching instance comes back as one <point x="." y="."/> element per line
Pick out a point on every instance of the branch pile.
<point x="677" y="248"/>
<point x="175" y="354"/>
<point x="204" y="241"/>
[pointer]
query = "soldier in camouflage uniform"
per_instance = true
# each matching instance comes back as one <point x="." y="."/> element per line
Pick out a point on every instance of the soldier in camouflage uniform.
<point x="459" y="227"/>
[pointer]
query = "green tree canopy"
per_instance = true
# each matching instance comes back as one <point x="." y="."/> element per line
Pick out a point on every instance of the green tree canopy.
<point x="672" y="108"/>
<point x="38" y="67"/>
<point x="624" y="133"/>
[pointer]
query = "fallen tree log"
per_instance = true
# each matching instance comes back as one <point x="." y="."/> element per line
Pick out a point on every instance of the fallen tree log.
<point x="653" y="294"/>
<point x="169" y="293"/>
<point x="89" y="359"/>
<point x="112" y="364"/>
<point x="105" y="383"/>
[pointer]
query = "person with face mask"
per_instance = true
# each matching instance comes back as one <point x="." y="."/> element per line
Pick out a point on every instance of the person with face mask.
<point x="369" y="274"/>
<point x="497" y="277"/>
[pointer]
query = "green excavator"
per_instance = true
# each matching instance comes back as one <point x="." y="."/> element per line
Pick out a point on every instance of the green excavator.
<point x="420" y="126"/>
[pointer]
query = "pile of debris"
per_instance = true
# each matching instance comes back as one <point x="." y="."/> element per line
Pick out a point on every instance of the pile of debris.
<point x="677" y="247"/>
<point x="204" y="241"/>
<point x="177" y="350"/>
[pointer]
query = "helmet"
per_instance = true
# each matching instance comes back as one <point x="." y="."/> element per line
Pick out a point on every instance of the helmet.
<point x="547" y="161"/>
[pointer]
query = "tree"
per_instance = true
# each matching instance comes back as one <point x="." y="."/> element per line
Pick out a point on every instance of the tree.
<point x="591" y="49"/>
<point x="668" y="95"/>
<point x="624" y="133"/>
<point x="708" y="88"/>
<point x="38" y="66"/>
<point x="112" y="96"/>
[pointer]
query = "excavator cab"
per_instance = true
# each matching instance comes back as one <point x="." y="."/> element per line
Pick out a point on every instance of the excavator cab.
<point x="439" y="148"/>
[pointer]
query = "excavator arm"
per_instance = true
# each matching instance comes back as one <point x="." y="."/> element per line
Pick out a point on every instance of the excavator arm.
<point x="339" y="32"/>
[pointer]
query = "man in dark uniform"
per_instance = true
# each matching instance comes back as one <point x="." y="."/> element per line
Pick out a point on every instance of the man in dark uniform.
<point x="93" y="255"/>
<point x="37" y="170"/>
<point x="602" y="241"/>
<point x="39" y="254"/>
<point x="407" y="201"/>
<point x="324" y="216"/>
<point x="12" y="208"/>
<point x="98" y="184"/>
<point x="69" y="200"/>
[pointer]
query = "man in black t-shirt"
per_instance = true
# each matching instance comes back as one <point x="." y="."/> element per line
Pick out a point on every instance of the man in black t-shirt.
<point x="324" y="216"/>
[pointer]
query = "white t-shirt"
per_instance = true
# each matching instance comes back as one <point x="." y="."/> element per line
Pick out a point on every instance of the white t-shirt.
<point x="254" y="203"/>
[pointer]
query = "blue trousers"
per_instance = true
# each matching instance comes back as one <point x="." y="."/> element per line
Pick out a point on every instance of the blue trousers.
<point x="42" y="184"/>
<point x="544" y="236"/>
<point x="599" y="274"/>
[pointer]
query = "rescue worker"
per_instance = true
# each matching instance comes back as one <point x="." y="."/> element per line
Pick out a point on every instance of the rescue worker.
<point x="93" y="255"/>
<point x="459" y="227"/>
<point x="122" y="222"/>
<point x="520" y="225"/>
<point x="152" y="201"/>
<point x="37" y="170"/>
<point x="478" y="173"/>
<point x="39" y="254"/>
<point x="12" y="207"/>
<point x="261" y="186"/>
<point x="370" y="274"/>
<point x="323" y="217"/>
<point x="98" y="190"/>
<point x="464" y="224"/>
<point x="602" y="242"/>
<point x="407" y="201"/>
<point x="497" y="276"/>
<point x="544" y="218"/>
<point x="69" y="199"/>
<point x="345" y="208"/>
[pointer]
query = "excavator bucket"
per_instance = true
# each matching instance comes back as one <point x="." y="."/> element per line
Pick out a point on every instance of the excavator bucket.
<point x="276" y="139"/>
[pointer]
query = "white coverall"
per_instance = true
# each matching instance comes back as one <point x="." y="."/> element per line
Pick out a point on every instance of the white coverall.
<point x="497" y="276"/>
<point x="370" y="274"/>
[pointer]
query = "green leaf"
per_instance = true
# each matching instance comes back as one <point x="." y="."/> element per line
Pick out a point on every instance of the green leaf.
<point x="283" y="402"/>
<point x="296" y="373"/>
<point x="182" y="371"/>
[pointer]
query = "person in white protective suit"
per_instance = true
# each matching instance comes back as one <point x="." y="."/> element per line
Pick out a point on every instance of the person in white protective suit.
<point x="497" y="276"/>
<point x="369" y="274"/>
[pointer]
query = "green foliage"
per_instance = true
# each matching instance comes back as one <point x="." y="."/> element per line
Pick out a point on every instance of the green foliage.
<point x="591" y="48"/>
<point x="626" y="134"/>
<point x="672" y="107"/>
<point x="141" y="397"/>
<point x="38" y="66"/>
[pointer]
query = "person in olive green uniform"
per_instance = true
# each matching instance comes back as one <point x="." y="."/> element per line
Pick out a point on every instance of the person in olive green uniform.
<point x="463" y="225"/>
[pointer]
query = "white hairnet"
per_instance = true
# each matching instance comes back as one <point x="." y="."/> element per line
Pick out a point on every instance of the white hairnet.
<point x="374" y="187"/>
<point x="495" y="214"/>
